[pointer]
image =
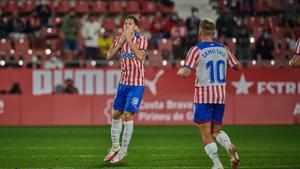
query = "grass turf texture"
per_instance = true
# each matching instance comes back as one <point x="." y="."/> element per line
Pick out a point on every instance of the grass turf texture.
<point x="168" y="147"/>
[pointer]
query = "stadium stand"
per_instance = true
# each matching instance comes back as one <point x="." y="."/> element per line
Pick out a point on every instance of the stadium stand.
<point x="275" y="16"/>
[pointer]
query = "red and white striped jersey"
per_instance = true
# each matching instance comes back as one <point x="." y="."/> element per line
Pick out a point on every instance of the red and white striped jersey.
<point x="297" y="49"/>
<point x="132" y="69"/>
<point x="210" y="60"/>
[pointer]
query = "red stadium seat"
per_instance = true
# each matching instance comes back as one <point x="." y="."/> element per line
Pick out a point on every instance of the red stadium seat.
<point x="109" y="24"/>
<point x="145" y="23"/>
<point x="165" y="45"/>
<point x="63" y="7"/>
<point x="277" y="33"/>
<point x="279" y="52"/>
<point x="54" y="44"/>
<point x="50" y="32"/>
<point x="115" y="7"/>
<point x="28" y="6"/>
<point x="149" y="7"/>
<point x="68" y="56"/>
<point x="132" y="7"/>
<point x="5" y="46"/>
<point x="82" y="7"/>
<point x="10" y="6"/>
<point x="261" y="6"/>
<point x="155" y="57"/>
<point x="166" y="9"/>
<point x="257" y="32"/>
<point x="56" y="21"/>
<point x="253" y="22"/>
<point x="99" y="6"/>
<point x="21" y="45"/>
<point x="271" y="21"/>
<point x="278" y="6"/>
<point x="22" y="50"/>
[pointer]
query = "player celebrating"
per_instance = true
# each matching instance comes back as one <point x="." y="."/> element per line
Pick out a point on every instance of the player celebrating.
<point x="132" y="48"/>
<point x="296" y="58"/>
<point x="210" y="60"/>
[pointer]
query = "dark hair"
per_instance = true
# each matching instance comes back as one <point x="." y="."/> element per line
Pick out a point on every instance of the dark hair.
<point x="134" y="18"/>
<point x="207" y="26"/>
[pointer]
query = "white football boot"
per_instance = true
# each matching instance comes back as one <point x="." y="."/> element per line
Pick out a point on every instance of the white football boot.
<point x="111" y="154"/>
<point x="119" y="157"/>
<point x="234" y="157"/>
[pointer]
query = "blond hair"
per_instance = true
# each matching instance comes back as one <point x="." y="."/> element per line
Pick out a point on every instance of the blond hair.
<point x="207" y="27"/>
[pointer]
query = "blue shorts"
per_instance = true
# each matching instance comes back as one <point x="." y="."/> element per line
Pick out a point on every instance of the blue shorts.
<point x="208" y="112"/>
<point x="128" y="98"/>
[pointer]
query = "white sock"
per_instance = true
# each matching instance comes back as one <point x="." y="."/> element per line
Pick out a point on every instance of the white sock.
<point x="211" y="150"/>
<point x="116" y="128"/>
<point x="224" y="140"/>
<point x="128" y="129"/>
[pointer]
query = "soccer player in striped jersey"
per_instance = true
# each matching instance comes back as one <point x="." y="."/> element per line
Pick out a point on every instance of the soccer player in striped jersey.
<point x="132" y="48"/>
<point x="296" y="58"/>
<point x="210" y="60"/>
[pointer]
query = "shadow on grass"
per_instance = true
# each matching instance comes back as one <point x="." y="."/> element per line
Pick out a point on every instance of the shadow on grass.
<point x="109" y="165"/>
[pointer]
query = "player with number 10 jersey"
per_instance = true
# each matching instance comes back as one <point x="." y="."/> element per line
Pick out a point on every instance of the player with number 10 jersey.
<point x="210" y="60"/>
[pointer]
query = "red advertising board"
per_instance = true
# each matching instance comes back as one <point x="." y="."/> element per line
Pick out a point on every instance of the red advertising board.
<point x="254" y="96"/>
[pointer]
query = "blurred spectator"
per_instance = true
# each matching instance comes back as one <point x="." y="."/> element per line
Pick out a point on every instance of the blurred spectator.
<point x="69" y="87"/>
<point x="35" y="62"/>
<point x="71" y="28"/>
<point x="265" y="46"/>
<point x="178" y="34"/>
<point x="43" y="11"/>
<point x="53" y="62"/>
<point x="12" y="62"/>
<point x="15" y="26"/>
<point x="192" y="24"/>
<point x="156" y="29"/>
<point x="279" y="53"/>
<point x="226" y="24"/>
<point x="291" y="11"/>
<point x="33" y="26"/>
<point x="105" y="42"/>
<point x="245" y="4"/>
<point x="243" y="50"/>
<point x="2" y="28"/>
<point x="58" y="89"/>
<point x="15" y="89"/>
<point x="169" y="3"/>
<point x="169" y="23"/>
<point x="90" y="33"/>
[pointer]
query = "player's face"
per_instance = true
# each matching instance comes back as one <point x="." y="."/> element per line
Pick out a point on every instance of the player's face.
<point x="129" y="25"/>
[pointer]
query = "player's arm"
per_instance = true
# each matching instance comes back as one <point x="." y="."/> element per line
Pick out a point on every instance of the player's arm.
<point x="117" y="45"/>
<point x="233" y="62"/>
<point x="295" y="61"/>
<point x="190" y="61"/>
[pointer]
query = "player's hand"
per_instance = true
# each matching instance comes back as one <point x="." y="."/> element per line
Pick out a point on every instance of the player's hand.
<point x="128" y="33"/>
<point x="180" y="72"/>
<point x="122" y="41"/>
<point x="184" y="72"/>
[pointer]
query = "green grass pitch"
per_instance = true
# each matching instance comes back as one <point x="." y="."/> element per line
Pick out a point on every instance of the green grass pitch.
<point x="156" y="147"/>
